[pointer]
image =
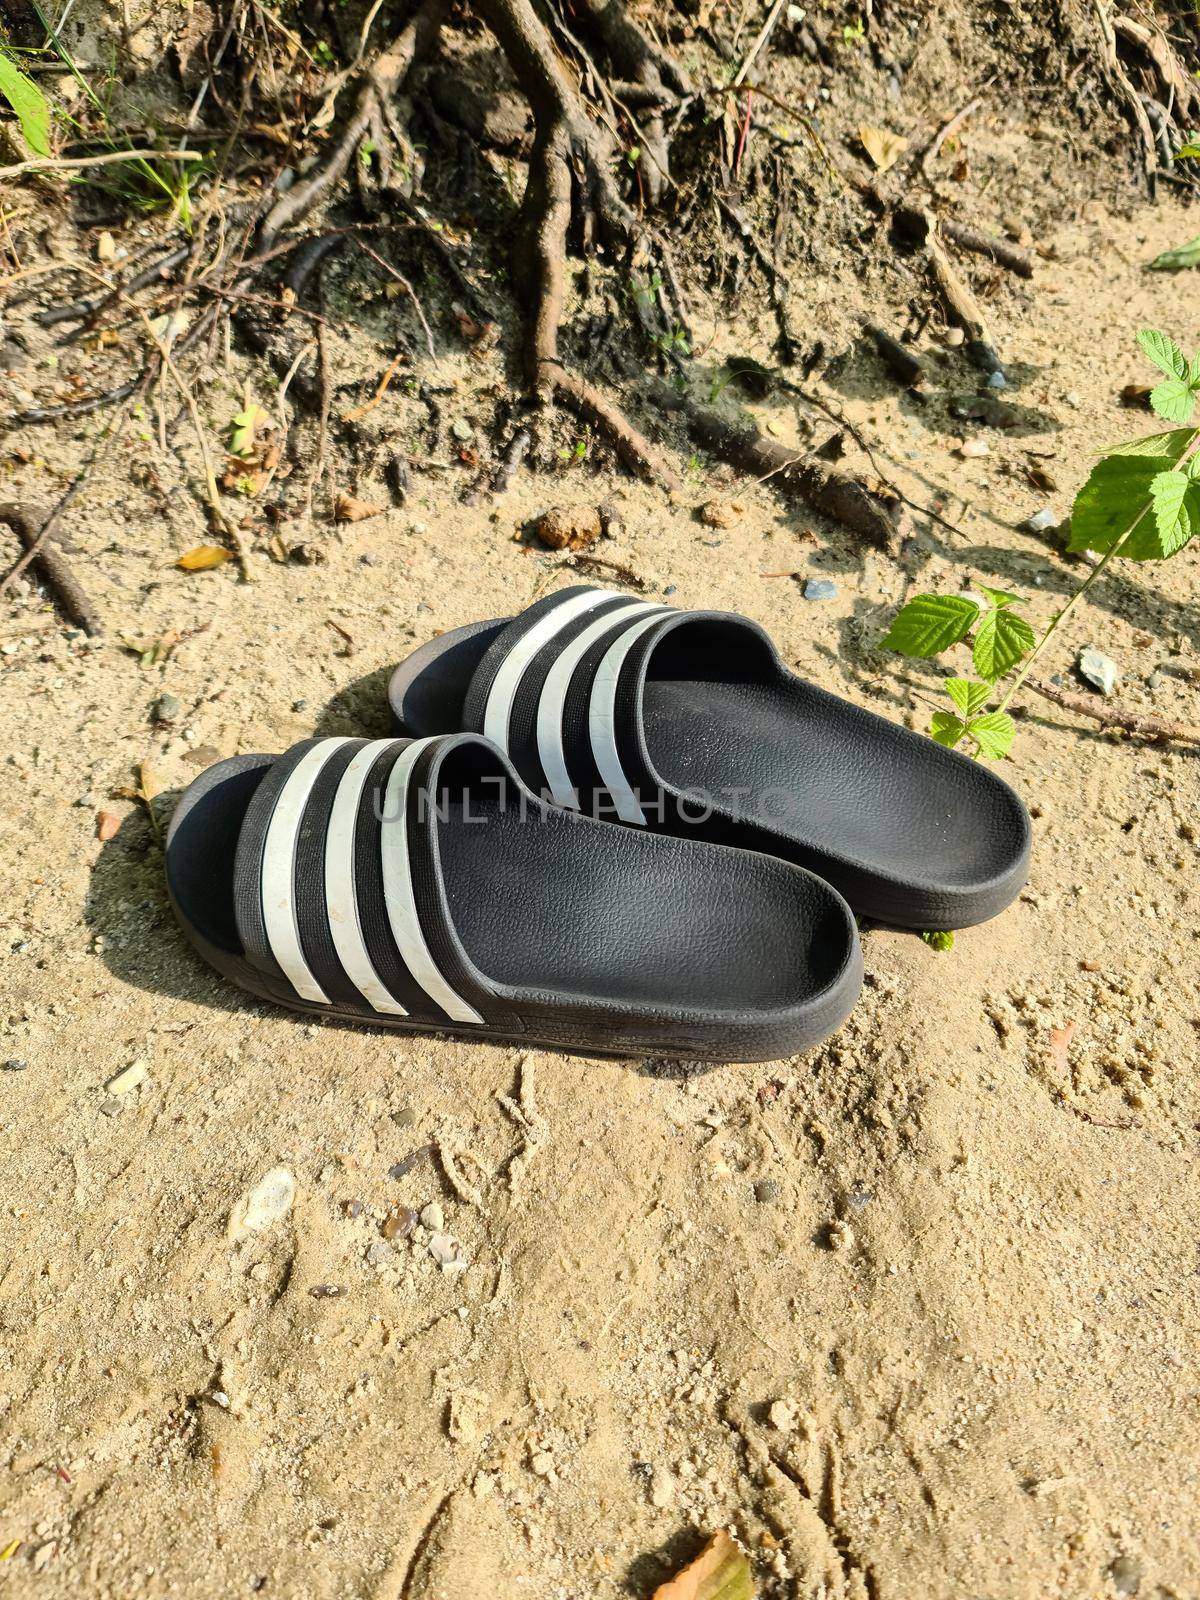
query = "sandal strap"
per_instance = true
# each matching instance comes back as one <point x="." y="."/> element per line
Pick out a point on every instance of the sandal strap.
<point x="325" y="893"/>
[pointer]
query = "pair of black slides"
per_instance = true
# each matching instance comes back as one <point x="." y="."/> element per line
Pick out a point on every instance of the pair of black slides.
<point x="605" y="825"/>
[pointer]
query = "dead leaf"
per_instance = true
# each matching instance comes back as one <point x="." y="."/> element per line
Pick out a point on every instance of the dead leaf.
<point x="884" y="148"/>
<point x="348" y="509"/>
<point x="719" y="1572"/>
<point x="108" y="825"/>
<point x="1060" y="1045"/>
<point x="204" y="557"/>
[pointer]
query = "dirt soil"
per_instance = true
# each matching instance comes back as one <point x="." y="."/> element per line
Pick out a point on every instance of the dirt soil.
<point x="916" y="1315"/>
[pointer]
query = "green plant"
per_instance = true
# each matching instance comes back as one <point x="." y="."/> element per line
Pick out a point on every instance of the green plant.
<point x="29" y="103"/>
<point x="577" y="452"/>
<point x="854" y="33"/>
<point x="1141" y="501"/>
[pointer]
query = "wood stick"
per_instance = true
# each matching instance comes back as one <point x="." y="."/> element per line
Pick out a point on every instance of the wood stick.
<point x="1155" y="728"/>
<point x="42" y="551"/>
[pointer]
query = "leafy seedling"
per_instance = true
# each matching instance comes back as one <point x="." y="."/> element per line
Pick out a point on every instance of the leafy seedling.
<point x="29" y="104"/>
<point x="1141" y="500"/>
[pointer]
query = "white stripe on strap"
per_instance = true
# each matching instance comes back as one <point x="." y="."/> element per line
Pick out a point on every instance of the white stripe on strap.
<point x="601" y="714"/>
<point x="498" y="708"/>
<point x="278" y="870"/>
<point x="398" y="888"/>
<point x="552" y="703"/>
<point x="341" y="888"/>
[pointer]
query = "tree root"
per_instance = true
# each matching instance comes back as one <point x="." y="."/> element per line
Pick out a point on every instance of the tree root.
<point x="42" y="550"/>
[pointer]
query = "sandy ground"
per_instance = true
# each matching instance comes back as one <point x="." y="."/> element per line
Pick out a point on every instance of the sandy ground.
<point x="915" y="1314"/>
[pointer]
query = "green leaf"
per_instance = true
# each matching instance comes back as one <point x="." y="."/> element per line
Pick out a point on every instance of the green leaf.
<point x="1117" y="492"/>
<point x="1000" y="597"/>
<point x="946" y="728"/>
<point x="968" y="697"/>
<point x="993" y="733"/>
<point x="1190" y="147"/>
<point x="29" y="103"/>
<point x="1001" y="639"/>
<point x="1172" y="399"/>
<point x="1171" y="443"/>
<point x="930" y="623"/>
<point x="1164" y="352"/>
<point x="1176" y="501"/>
<point x="1179" y="259"/>
<point x="938" y="939"/>
<point x="245" y="426"/>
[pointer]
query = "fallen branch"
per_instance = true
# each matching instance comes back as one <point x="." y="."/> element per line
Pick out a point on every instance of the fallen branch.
<point x="42" y="551"/>
<point x="1002" y="251"/>
<point x="74" y="163"/>
<point x="847" y="500"/>
<point x="1154" y="728"/>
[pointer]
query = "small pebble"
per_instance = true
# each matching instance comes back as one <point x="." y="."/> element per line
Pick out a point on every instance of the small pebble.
<point x="1098" y="669"/>
<point x="433" y="1217"/>
<point x="766" y="1190"/>
<point x="953" y="337"/>
<point x="399" y="1223"/>
<point x="326" y="1291"/>
<point x="840" y="1236"/>
<point x="782" y="1414"/>
<point x="128" y="1078"/>
<point x="462" y="429"/>
<point x="15" y="1064"/>
<point x="380" y="1253"/>
<point x="996" y="380"/>
<point x="267" y="1202"/>
<point x="820" y="589"/>
<point x="1126" y="1574"/>
<point x="974" y="448"/>
<point x="166" y="708"/>
<point x="1040" y="521"/>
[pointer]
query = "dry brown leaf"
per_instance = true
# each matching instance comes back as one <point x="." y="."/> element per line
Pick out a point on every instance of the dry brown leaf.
<point x="204" y="557"/>
<point x="1060" y="1045"/>
<point x="719" y="1572"/>
<point x="884" y="148"/>
<point x="108" y="825"/>
<point x="348" y="509"/>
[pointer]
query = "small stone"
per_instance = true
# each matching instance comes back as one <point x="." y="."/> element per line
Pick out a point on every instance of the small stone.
<point x="1098" y="669"/>
<point x="352" y="1208"/>
<point x="568" y="530"/>
<point x="326" y="1291"/>
<point x="783" y="1414"/>
<point x="219" y="1398"/>
<point x="840" y="1236"/>
<point x="433" y="1217"/>
<point x="166" y="708"/>
<point x="662" y="1488"/>
<point x="1126" y="1573"/>
<point x="268" y="1202"/>
<point x="128" y="1078"/>
<point x="820" y="589"/>
<point x="380" y="1253"/>
<point x="462" y="429"/>
<point x="1040" y="521"/>
<point x="404" y="1118"/>
<point x="720" y="513"/>
<point x="542" y="1463"/>
<point x="399" y="1223"/>
<point x="444" y="1249"/>
<point x="1072" y="399"/>
<point x="953" y="338"/>
<point x="973" y="449"/>
<point x="996" y="380"/>
<point x="14" y="1064"/>
<point x="766" y="1190"/>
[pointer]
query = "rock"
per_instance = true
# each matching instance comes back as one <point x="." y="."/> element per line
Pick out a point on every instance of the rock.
<point x="766" y="1190"/>
<point x="1040" y="521"/>
<point x="433" y="1217"/>
<point x="462" y="429"/>
<point x="380" y="1253"/>
<point x="1098" y="669"/>
<point x="953" y="338"/>
<point x="720" y="513"/>
<point x="611" y="520"/>
<point x="783" y="1414"/>
<point x="996" y="380"/>
<point x="128" y="1078"/>
<point x="820" y="589"/>
<point x="326" y="1291"/>
<point x="14" y="1064"/>
<point x="166" y="708"/>
<point x="399" y="1223"/>
<point x="568" y="530"/>
<point x="1126" y="1573"/>
<point x="973" y="449"/>
<point x="840" y="1236"/>
<point x="662" y="1488"/>
<point x="447" y="1252"/>
<point x="268" y="1202"/>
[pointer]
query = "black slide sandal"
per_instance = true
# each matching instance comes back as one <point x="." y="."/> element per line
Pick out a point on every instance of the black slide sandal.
<point x="417" y="884"/>
<point x="688" y="722"/>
